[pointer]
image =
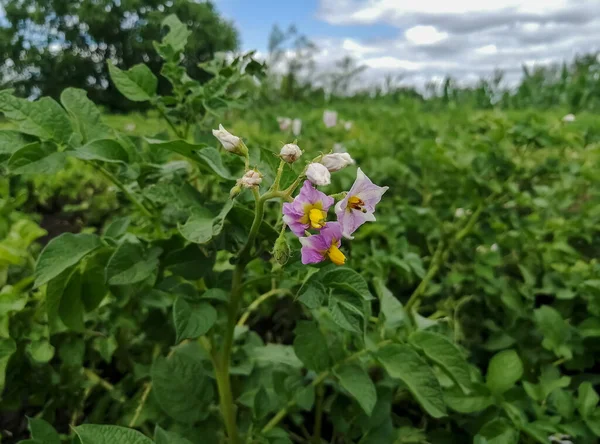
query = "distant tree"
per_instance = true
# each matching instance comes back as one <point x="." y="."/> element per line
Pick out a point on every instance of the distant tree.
<point x="291" y="58"/>
<point x="48" y="45"/>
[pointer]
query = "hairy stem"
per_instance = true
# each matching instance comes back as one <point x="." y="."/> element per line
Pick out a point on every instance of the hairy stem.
<point x="222" y="362"/>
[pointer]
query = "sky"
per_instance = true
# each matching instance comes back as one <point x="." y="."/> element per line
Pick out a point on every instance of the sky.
<point x="424" y="40"/>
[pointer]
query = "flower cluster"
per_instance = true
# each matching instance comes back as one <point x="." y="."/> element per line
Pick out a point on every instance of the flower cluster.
<point x="308" y="212"/>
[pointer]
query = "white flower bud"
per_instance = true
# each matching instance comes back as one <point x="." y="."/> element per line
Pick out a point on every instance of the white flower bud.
<point x="251" y="179"/>
<point x="330" y="118"/>
<point x="231" y="143"/>
<point x="284" y="123"/>
<point x="296" y="127"/>
<point x="290" y="152"/>
<point x="348" y="125"/>
<point x="569" y="118"/>
<point x="459" y="213"/>
<point x="318" y="174"/>
<point x="494" y="247"/>
<point x="336" y="161"/>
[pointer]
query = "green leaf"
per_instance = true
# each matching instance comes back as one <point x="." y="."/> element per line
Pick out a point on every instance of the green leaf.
<point x="131" y="263"/>
<point x="190" y="262"/>
<point x="476" y="401"/>
<point x="504" y="370"/>
<point x="446" y="354"/>
<point x="555" y="331"/>
<point x="118" y="227"/>
<point x="163" y="437"/>
<point x="40" y="351"/>
<point x="43" y="432"/>
<point x="11" y="142"/>
<point x="93" y="286"/>
<point x="310" y="346"/>
<point x="497" y="431"/>
<point x="391" y="308"/>
<point x="402" y="362"/>
<point x="70" y="308"/>
<point x="54" y="293"/>
<point x="199" y="153"/>
<point x="587" y="399"/>
<point x="44" y="118"/>
<point x="192" y="321"/>
<point x="104" y="150"/>
<point x="212" y="158"/>
<point x="343" y="316"/>
<point x="201" y="227"/>
<point x="347" y="279"/>
<point x="275" y="354"/>
<point x="181" y="386"/>
<point x="109" y="434"/>
<point x="61" y="253"/>
<point x="138" y="84"/>
<point x="36" y="158"/>
<point x="178" y="33"/>
<point x="7" y="348"/>
<point x="86" y="117"/>
<point x="358" y="383"/>
<point x="312" y="294"/>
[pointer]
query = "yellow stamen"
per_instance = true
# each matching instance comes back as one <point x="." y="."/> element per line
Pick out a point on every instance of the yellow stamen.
<point x="336" y="256"/>
<point x="356" y="203"/>
<point x="317" y="218"/>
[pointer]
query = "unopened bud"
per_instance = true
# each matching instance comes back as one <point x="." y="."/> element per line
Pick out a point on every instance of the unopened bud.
<point x="237" y="189"/>
<point x="290" y="152"/>
<point x="281" y="250"/>
<point x="231" y="143"/>
<point x="318" y="174"/>
<point x="348" y="125"/>
<point x="336" y="161"/>
<point x="251" y="179"/>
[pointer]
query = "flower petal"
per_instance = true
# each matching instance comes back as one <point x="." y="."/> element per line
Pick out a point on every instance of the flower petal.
<point x="313" y="249"/>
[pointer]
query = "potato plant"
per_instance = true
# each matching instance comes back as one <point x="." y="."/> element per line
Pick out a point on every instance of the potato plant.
<point x="245" y="287"/>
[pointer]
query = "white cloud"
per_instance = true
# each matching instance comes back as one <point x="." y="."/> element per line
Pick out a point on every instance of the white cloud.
<point x="425" y="35"/>
<point x="463" y="38"/>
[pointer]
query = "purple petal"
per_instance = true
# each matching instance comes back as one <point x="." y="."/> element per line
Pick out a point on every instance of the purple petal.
<point x="313" y="249"/>
<point x="292" y="213"/>
<point x="309" y="194"/>
<point x="332" y="233"/>
<point x="352" y="219"/>
<point x="367" y="191"/>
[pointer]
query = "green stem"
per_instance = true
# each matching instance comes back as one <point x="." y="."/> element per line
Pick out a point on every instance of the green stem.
<point x="222" y="364"/>
<point x="171" y="124"/>
<point x="318" y="380"/>
<point x="124" y="189"/>
<point x="255" y="304"/>
<point x="316" y="438"/>
<point x="275" y="186"/>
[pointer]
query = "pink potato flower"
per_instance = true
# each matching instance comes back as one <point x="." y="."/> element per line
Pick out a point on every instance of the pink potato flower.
<point x="325" y="245"/>
<point x="359" y="204"/>
<point x="308" y="210"/>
